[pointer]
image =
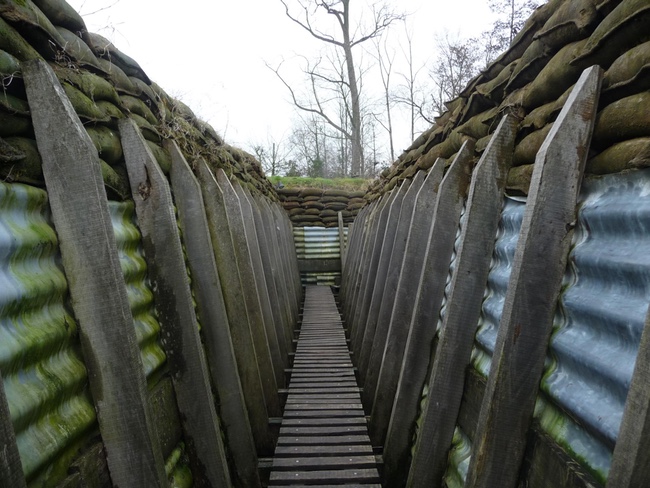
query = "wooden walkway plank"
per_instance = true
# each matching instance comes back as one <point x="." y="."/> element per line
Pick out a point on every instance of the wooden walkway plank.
<point x="324" y="435"/>
<point x="535" y="282"/>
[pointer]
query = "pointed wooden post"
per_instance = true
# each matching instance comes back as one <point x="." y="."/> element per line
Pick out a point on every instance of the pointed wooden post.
<point x="631" y="461"/>
<point x="99" y="299"/>
<point x="390" y="278"/>
<point x="534" y="286"/>
<point x="240" y="328"/>
<point x="215" y="328"/>
<point x="463" y="310"/>
<point x="426" y="304"/>
<point x="11" y="469"/>
<point x="163" y="251"/>
<point x="403" y="293"/>
<point x="342" y="250"/>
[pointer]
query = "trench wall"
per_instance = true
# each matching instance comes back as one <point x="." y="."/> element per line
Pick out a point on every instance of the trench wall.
<point x="478" y="367"/>
<point x="149" y="281"/>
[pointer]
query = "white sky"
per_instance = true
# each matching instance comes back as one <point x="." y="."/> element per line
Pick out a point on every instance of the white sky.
<point x="211" y="53"/>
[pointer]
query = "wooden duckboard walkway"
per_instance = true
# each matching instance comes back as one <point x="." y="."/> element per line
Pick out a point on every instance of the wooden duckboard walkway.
<point x="324" y="437"/>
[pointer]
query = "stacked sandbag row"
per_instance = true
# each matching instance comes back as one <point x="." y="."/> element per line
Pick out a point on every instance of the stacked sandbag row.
<point x="104" y="86"/>
<point x="534" y="78"/>
<point x="319" y="208"/>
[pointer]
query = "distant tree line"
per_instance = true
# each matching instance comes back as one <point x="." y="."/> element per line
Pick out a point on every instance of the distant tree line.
<point x="366" y="75"/>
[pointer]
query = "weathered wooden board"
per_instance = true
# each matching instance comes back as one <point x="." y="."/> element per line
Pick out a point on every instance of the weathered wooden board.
<point x="463" y="310"/>
<point x="538" y="267"/>
<point x="215" y="328"/>
<point x="240" y="327"/>
<point x="89" y="255"/>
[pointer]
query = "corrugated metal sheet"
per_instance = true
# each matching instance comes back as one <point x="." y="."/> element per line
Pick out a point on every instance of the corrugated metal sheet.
<point x="134" y="267"/>
<point x="495" y="293"/>
<point x="599" y="320"/>
<point x="459" y="457"/>
<point x="318" y="243"/>
<point x="177" y="468"/>
<point x="44" y="375"/>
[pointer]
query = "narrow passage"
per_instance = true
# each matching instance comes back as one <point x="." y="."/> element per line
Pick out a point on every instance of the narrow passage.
<point x="324" y="437"/>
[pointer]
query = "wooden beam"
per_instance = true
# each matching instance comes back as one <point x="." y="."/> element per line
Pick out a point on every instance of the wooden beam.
<point x="426" y="302"/>
<point x="390" y="277"/>
<point x="376" y="290"/>
<point x="11" y="469"/>
<point x="215" y="328"/>
<point x="538" y="267"/>
<point x="342" y="249"/>
<point x="167" y="271"/>
<point x="631" y="461"/>
<point x="89" y="256"/>
<point x="240" y="327"/>
<point x="463" y="309"/>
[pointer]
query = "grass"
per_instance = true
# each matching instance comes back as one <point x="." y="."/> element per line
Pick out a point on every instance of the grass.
<point x="348" y="184"/>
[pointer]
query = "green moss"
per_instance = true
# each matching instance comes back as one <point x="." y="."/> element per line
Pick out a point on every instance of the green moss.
<point x="349" y="184"/>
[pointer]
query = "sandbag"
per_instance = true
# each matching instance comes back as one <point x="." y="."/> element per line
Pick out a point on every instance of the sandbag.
<point x="629" y="73"/>
<point x="118" y="78"/>
<point x="77" y="49"/>
<point x="116" y="181"/>
<point x="317" y="205"/>
<point x="111" y="111"/>
<point x="627" y="118"/>
<point x="20" y="161"/>
<point x="495" y="88"/>
<point x="625" y="27"/>
<point x="107" y="142"/>
<point x="60" y="13"/>
<point x="526" y="150"/>
<point x="479" y="125"/>
<point x="572" y="21"/>
<point x="162" y="156"/>
<point x="15" y="44"/>
<point x="336" y="206"/>
<point x="519" y="177"/>
<point x="148" y="131"/>
<point x="311" y="192"/>
<point x="137" y="106"/>
<point x="632" y="154"/>
<point x="288" y="192"/>
<point x="93" y="86"/>
<point x="357" y="194"/>
<point x="544" y="114"/>
<point x="335" y="193"/>
<point x="103" y="48"/>
<point x="328" y="199"/>
<point x="9" y="65"/>
<point x="86" y="109"/>
<point x="555" y="77"/>
<point x="34" y="26"/>
<point x="312" y="211"/>
<point x="529" y="66"/>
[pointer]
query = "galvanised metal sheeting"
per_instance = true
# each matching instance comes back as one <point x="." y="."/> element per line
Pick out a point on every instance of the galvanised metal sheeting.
<point x="599" y="320"/>
<point x="495" y="293"/>
<point x="317" y="242"/>
<point x="44" y="375"/>
<point x="134" y="268"/>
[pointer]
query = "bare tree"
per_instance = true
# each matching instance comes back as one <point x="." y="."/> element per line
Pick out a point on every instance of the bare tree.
<point x="272" y="155"/>
<point x="349" y="35"/>
<point x="385" y="59"/>
<point x="512" y="16"/>
<point x="457" y="63"/>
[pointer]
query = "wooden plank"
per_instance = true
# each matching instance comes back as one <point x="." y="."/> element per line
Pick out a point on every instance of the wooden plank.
<point x="336" y="476"/>
<point x="376" y="291"/>
<point x="222" y="362"/>
<point x="318" y="463"/>
<point x="333" y="476"/>
<point x="401" y="312"/>
<point x="631" y="460"/>
<point x="323" y="431"/>
<point x="368" y="270"/>
<point x="538" y="267"/>
<point x="275" y="341"/>
<point x="323" y="450"/>
<point x="240" y="327"/>
<point x="167" y="271"/>
<point x="339" y="440"/>
<point x="390" y="276"/>
<point x="89" y="255"/>
<point x="324" y="421"/>
<point x="463" y="310"/>
<point x="426" y="306"/>
<point x="11" y="469"/>
<point x="342" y="249"/>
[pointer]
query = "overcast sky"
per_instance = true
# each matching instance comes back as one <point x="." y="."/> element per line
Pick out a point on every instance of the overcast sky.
<point x="212" y="54"/>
